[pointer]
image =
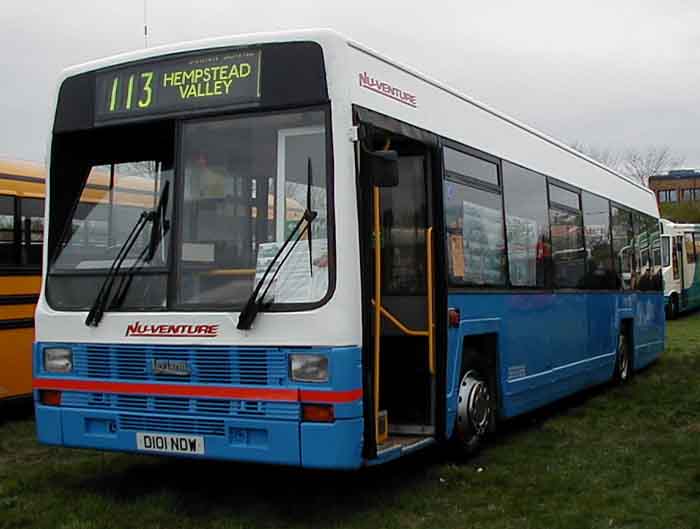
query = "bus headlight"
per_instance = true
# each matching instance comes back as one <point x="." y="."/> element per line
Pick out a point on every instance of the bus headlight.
<point x="58" y="360"/>
<point x="309" y="368"/>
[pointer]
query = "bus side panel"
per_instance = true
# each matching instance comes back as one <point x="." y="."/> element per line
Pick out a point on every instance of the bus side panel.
<point x="541" y="337"/>
<point x="569" y="339"/>
<point x="17" y="305"/>
<point x="16" y="362"/>
<point x="692" y="279"/>
<point x="603" y="330"/>
<point x="551" y="345"/>
<point x="649" y="328"/>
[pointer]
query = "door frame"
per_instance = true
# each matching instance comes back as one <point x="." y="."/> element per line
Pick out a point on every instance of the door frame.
<point x="362" y="118"/>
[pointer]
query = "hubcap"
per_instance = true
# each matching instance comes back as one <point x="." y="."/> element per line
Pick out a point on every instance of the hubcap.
<point x="474" y="410"/>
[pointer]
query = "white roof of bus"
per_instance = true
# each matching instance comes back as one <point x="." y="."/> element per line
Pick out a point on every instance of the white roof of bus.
<point x="679" y="226"/>
<point x="329" y="38"/>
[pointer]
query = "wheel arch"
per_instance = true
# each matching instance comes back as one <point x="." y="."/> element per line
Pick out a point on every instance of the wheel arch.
<point x="480" y="352"/>
<point x="626" y="328"/>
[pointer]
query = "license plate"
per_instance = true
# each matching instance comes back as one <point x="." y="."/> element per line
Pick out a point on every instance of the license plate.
<point x="169" y="443"/>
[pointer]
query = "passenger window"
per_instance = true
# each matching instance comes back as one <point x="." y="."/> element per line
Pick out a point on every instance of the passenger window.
<point x="527" y="225"/>
<point x="32" y="210"/>
<point x="600" y="272"/>
<point x="642" y="276"/>
<point x="474" y="222"/>
<point x="689" y="247"/>
<point x="8" y="246"/>
<point x="654" y="231"/>
<point x="564" y="197"/>
<point x="464" y="165"/>
<point x="623" y="245"/>
<point x="568" y="253"/>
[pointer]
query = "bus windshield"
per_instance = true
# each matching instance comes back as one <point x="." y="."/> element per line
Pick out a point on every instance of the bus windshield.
<point x="241" y="186"/>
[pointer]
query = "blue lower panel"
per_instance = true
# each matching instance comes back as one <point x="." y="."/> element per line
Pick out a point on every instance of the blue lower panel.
<point x="336" y="445"/>
<point x="240" y="440"/>
<point x="314" y="445"/>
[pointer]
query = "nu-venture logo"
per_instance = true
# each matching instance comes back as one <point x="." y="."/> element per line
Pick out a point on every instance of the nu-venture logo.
<point x="172" y="331"/>
<point x="387" y="90"/>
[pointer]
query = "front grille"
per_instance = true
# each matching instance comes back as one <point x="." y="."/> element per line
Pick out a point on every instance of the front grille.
<point x="183" y="425"/>
<point x="208" y="364"/>
<point x="183" y="406"/>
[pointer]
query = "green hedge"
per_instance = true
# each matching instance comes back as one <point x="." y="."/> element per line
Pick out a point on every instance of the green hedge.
<point x="681" y="212"/>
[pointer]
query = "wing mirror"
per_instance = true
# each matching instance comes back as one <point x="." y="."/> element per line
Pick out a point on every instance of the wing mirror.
<point x="382" y="167"/>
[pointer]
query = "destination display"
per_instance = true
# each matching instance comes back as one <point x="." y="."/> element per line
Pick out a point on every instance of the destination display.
<point x="208" y="80"/>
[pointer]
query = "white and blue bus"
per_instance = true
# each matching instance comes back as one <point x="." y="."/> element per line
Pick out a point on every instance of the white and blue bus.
<point x="335" y="260"/>
<point x="681" y="273"/>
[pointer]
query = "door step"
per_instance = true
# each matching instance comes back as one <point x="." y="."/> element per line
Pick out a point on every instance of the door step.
<point x="404" y="443"/>
<point x="411" y="429"/>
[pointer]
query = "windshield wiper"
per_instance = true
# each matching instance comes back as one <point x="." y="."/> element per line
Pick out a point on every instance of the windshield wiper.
<point x="256" y="303"/>
<point x="99" y="306"/>
<point x="159" y="228"/>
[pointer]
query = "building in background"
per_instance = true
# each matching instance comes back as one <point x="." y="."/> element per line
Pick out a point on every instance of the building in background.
<point x="680" y="185"/>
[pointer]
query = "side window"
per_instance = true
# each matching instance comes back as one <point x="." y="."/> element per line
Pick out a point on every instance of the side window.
<point x="473" y="220"/>
<point x="689" y="247"/>
<point x="527" y="225"/>
<point x="32" y="211"/>
<point x="641" y="246"/>
<point x="623" y="245"/>
<point x="568" y="253"/>
<point x="8" y="246"/>
<point x="665" y="251"/>
<point x="645" y="275"/>
<point x="600" y="272"/>
<point x="654" y="229"/>
<point x="697" y="244"/>
<point x="677" y="251"/>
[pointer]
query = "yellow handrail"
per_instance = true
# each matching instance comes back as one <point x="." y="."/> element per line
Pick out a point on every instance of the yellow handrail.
<point x="393" y="319"/>
<point x="430" y="301"/>
<point x="380" y="311"/>
<point x="377" y="306"/>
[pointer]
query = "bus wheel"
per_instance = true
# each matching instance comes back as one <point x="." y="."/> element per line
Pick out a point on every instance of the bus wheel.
<point x="475" y="412"/>
<point x="623" y="362"/>
<point x="673" y="307"/>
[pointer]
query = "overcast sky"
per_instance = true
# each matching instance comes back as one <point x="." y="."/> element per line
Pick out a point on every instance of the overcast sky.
<point x="610" y="73"/>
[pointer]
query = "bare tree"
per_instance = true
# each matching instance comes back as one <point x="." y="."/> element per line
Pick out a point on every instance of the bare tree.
<point x="641" y="164"/>
<point x="637" y="163"/>
<point x="608" y="157"/>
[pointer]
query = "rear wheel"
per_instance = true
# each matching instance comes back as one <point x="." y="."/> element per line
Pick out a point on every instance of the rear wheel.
<point x="673" y="307"/>
<point x="475" y="413"/>
<point x="623" y="362"/>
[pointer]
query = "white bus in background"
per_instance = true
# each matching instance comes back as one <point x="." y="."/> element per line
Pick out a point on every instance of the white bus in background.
<point x="681" y="251"/>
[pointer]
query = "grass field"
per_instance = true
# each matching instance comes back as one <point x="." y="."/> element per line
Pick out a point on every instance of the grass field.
<point x="614" y="457"/>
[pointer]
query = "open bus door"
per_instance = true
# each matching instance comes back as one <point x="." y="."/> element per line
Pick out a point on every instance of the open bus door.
<point x="399" y="285"/>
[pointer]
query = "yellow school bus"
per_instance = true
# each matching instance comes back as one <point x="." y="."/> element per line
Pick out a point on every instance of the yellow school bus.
<point x="21" y="235"/>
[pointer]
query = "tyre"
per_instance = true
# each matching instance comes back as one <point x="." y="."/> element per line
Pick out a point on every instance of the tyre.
<point x="673" y="308"/>
<point x="475" y="413"/>
<point x="623" y="360"/>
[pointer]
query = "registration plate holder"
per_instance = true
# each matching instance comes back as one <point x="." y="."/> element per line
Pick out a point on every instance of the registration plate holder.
<point x="166" y="443"/>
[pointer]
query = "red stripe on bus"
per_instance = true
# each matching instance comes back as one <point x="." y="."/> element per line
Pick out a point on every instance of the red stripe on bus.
<point x="331" y="397"/>
<point x="177" y="390"/>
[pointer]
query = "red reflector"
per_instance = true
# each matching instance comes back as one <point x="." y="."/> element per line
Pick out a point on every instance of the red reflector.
<point x="50" y="397"/>
<point x="317" y="413"/>
<point x="453" y="317"/>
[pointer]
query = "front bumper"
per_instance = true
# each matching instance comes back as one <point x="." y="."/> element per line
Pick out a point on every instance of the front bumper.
<point x="238" y="401"/>
<point x="314" y="445"/>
